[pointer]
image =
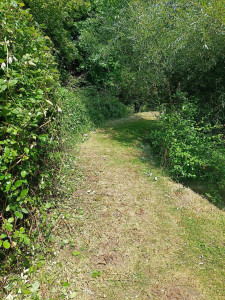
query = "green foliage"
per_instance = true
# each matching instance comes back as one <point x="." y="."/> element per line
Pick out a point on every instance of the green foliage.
<point x="59" y="20"/>
<point x="141" y="52"/>
<point x="190" y="148"/>
<point x="146" y="51"/>
<point x="28" y="85"/>
<point x="102" y="106"/>
<point x="75" y="117"/>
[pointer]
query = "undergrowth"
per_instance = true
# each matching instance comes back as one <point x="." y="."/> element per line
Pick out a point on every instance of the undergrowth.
<point x="190" y="149"/>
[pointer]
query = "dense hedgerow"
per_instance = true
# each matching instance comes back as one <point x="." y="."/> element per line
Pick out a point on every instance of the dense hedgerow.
<point x="28" y="110"/>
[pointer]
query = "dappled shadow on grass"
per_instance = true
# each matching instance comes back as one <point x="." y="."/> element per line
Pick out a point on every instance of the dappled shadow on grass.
<point x="131" y="131"/>
<point x="207" y="190"/>
<point x="135" y="132"/>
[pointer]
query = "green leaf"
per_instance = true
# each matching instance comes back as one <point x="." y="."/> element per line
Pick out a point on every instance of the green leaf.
<point x="2" y="236"/>
<point x="49" y="102"/>
<point x="64" y="242"/>
<point x="24" y="173"/>
<point x="24" y="193"/>
<point x="19" y="215"/>
<point x="66" y="284"/>
<point x="77" y="253"/>
<point x="10" y="220"/>
<point x="12" y="82"/>
<point x="24" y="210"/>
<point x="48" y="205"/>
<point x="8" y="226"/>
<point x="3" y="88"/>
<point x="6" y="245"/>
<point x="8" y="186"/>
<point x="26" y="240"/>
<point x="18" y="183"/>
<point x="7" y="151"/>
<point x="26" y="150"/>
<point x="22" y="230"/>
<point x="96" y="274"/>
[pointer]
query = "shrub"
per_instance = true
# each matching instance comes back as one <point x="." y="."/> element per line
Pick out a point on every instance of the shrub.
<point x="190" y="149"/>
<point x="28" y="93"/>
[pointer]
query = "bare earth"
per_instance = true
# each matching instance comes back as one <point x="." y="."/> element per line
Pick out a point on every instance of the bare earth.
<point x="132" y="235"/>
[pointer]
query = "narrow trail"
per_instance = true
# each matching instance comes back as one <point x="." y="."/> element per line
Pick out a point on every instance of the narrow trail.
<point x="132" y="235"/>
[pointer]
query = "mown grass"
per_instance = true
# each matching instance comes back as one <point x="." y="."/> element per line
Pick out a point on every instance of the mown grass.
<point x="203" y="232"/>
<point x="133" y="236"/>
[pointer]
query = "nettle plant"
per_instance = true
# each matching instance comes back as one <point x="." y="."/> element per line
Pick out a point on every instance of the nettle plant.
<point x="28" y="110"/>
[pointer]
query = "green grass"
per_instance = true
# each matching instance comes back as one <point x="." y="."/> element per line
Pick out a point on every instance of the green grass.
<point x="134" y="236"/>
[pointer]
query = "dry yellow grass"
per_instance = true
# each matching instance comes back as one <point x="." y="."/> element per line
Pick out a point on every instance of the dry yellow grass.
<point x="135" y="237"/>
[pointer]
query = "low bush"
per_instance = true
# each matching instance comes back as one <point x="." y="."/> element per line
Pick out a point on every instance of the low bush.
<point x="190" y="149"/>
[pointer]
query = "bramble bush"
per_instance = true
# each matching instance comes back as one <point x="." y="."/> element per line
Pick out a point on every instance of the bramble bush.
<point x="190" y="148"/>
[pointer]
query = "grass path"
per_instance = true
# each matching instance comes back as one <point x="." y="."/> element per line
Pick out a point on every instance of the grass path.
<point x="129" y="236"/>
